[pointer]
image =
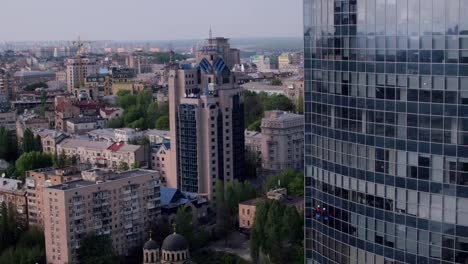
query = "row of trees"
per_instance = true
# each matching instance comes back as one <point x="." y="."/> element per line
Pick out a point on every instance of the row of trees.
<point x="9" y="147"/>
<point x="255" y="104"/>
<point x="277" y="234"/>
<point x="141" y="112"/>
<point x="18" y="243"/>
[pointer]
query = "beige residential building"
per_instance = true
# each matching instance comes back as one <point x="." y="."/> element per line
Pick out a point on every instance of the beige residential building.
<point x="293" y="87"/>
<point x="282" y="141"/>
<point x="248" y="208"/>
<point x="8" y="119"/>
<point x="37" y="181"/>
<point x="161" y="159"/>
<point x="77" y="70"/>
<point x="103" y="154"/>
<point x="121" y="205"/>
<point x="253" y="141"/>
<point x="6" y="88"/>
<point x="83" y="124"/>
<point x="206" y="121"/>
<point x="31" y="121"/>
<point x="13" y="194"/>
<point x="49" y="139"/>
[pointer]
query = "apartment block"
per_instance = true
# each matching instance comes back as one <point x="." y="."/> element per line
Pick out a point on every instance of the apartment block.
<point x="121" y="205"/>
<point x="13" y="194"/>
<point x="8" y="119"/>
<point x="31" y="121"/>
<point x="161" y="159"/>
<point x="77" y="70"/>
<point x="37" y="181"/>
<point x="81" y="125"/>
<point x="282" y="140"/>
<point x="103" y="154"/>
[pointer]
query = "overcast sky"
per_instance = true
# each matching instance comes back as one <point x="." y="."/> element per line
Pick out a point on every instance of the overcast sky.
<point x="148" y="19"/>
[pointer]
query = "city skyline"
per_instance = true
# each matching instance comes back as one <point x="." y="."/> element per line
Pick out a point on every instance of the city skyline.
<point x="107" y="20"/>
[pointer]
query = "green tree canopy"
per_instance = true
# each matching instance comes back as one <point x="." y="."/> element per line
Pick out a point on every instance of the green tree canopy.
<point x="140" y="111"/>
<point x="277" y="232"/>
<point x="8" y="145"/>
<point x="97" y="249"/>
<point x="293" y="181"/>
<point x="162" y="123"/>
<point x="32" y="160"/>
<point x="255" y="104"/>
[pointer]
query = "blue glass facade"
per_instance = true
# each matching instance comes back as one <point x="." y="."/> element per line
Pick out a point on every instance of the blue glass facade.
<point x="386" y="134"/>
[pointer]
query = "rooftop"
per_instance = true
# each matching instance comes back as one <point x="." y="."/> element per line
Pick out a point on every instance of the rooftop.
<point x="10" y="185"/>
<point x="277" y="115"/>
<point x="84" y="119"/>
<point x="126" y="175"/>
<point x="49" y="132"/>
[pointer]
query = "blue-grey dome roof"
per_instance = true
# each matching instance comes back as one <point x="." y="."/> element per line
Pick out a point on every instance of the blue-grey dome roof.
<point x="175" y="242"/>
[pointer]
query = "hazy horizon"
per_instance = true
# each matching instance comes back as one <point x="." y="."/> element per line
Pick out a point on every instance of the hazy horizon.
<point x="146" y="20"/>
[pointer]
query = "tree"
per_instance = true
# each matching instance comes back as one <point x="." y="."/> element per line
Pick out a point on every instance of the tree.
<point x="293" y="181"/>
<point x="61" y="160"/>
<point x="253" y="163"/>
<point x="279" y="102"/>
<point x="123" y="166"/>
<point x="115" y="123"/>
<point x="28" y="141"/>
<point x="277" y="232"/>
<point x="32" y="160"/>
<point x="162" y="123"/>
<point x="276" y="82"/>
<point x="223" y="212"/>
<point x="140" y="112"/>
<point x="300" y="104"/>
<point x="255" y="126"/>
<point x="136" y="165"/>
<point x="184" y="225"/>
<point x="97" y="249"/>
<point x="37" y="143"/>
<point x="8" y="145"/>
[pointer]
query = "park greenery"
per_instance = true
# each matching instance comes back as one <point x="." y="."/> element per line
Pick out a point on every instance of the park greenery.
<point x="30" y="161"/>
<point x="30" y="143"/>
<point x="276" y="82"/>
<point x="8" y="145"/>
<point x="210" y="256"/>
<point x="18" y="243"/>
<point x="97" y="249"/>
<point x="292" y="180"/>
<point x="255" y="104"/>
<point x="140" y="112"/>
<point x="162" y="57"/>
<point x="277" y="233"/>
<point x="227" y="200"/>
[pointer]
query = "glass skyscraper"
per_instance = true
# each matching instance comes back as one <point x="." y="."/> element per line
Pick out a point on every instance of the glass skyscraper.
<point x="386" y="134"/>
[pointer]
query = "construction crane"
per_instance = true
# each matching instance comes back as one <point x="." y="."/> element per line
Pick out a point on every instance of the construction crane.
<point x="80" y="44"/>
